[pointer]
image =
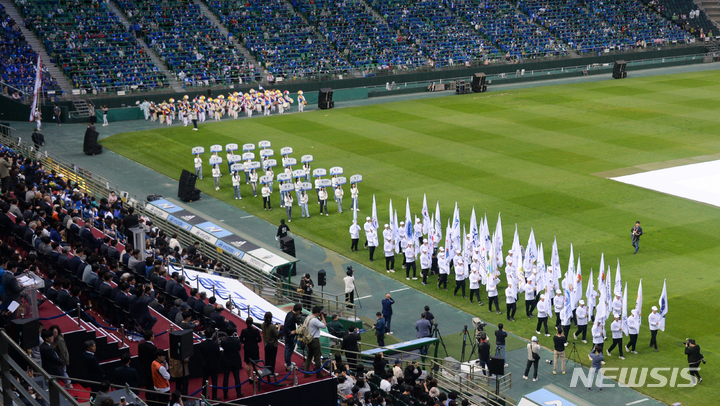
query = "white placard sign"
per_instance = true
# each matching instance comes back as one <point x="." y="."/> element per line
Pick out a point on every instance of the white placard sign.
<point x="267" y="152"/>
<point x="216" y="148"/>
<point x="237" y="168"/>
<point x="287" y="187"/>
<point x="286" y="151"/>
<point x="198" y="150"/>
<point x="325" y="183"/>
<point x="266" y="179"/>
<point x="341" y="180"/>
<point x="283" y="177"/>
<point x="215" y="160"/>
<point x="356" y="178"/>
<point x="290" y="162"/>
<point x="319" y="172"/>
<point x="264" y="144"/>
<point x="248" y="147"/>
<point x="231" y="147"/>
<point x="298" y="173"/>
<point x="306" y="158"/>
<point x="253" y="165"/>
<point x="269" y="163"/>
<point x="306" y="186"/>
<point x="336" y="170"/>
<point x="248" y="155"/>
<point x="235" y="158"/>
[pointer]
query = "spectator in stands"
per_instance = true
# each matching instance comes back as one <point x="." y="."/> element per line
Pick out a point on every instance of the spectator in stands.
<point x="122" y="299"/>
<point x="139" y="309"/>
<point x="51" y="362"/>
<point x="231" y="363"/>
<point x="158" y="304"/>
<point x="170" y="285"/>
<point x="335" y="328"/>
<point x="199" y="305"/>
<point x="187" y="322"/>
<point x="91" y="366"/>
<point x="179" y="290"/>
<point x="126" y="375"/>
<point x="161" y="377"/>
<point x="210" y="307"/>
<point x="103" y="394"/>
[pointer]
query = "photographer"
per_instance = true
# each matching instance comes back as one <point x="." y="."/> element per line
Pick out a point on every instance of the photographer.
<point x="316" y="322"/>
<point x="484" y="353"/>
<point x="350" y="286"/>
<point x="694" y="358"/>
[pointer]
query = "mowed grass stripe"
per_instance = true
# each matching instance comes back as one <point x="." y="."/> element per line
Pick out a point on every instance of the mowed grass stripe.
<point x="529" y="154"/>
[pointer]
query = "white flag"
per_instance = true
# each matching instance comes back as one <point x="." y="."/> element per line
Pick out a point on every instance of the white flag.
<point x="36" y="90"/>
<point x="397" y="233"/>
<point x="618" y="281"/>
<point x="663" y="302"/>
<point x="390" y="213"/>
<point x="474" y="233"/>
<point x="638" y="303"/>
<point x="589" y="295"/>
<point x="374" y="215"/>
<point x="438" y="223"/>
<point x="426" y="217"/>
<point x="499" y="243"/>
<point x="555" y="263"/>
<point x="578" y="292"/>
<point x="457" y="239"/>
<point x="624" y="320"/>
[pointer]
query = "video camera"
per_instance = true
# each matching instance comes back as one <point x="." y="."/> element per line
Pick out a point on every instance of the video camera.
<point x="479" y="328"/>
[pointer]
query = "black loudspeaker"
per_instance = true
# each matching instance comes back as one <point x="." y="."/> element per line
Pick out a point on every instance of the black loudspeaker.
<point x="497" y="366"/>
<point x="186" y="187"/>
<point x="322" y="280"/>
<point x="90" y="144"/>
<point x="325" y="94"/>
<point x="181" y="344"/>
<point x="478" y="83"/>
<point x="325" y="99"/>
<point x="25" y="332"/>
<point x="287" y="245"/>
<point x="619" y="70"/>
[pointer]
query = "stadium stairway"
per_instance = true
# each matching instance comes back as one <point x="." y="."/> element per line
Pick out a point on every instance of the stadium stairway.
<point x="225" y="32"/>
<point x="36" y="44"/>
<point x="712" y="10"/>
<point x="174" y="83"/>
<point x="318" y="35"/>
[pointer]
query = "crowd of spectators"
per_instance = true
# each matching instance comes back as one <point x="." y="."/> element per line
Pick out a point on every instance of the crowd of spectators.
<point x="188" y="42"/>
<point x="368" y="43"/>
<point x="279" y="38"/>
<point x="95" y="51"/>
<point x="18" y="61"/>
<point x="685" y="14"/>
<point x="440" y="37"/>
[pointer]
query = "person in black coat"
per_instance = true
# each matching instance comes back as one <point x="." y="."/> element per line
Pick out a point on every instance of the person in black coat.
<point x="50" y="360"/>
<point x="91" y="366"/>
<point x="211" y="361"/>
<point x="130" y="221"/>
<point x="231" y="362"/>
<point x="350" y="343"/>
<point x="250" y="338"/>
<point x="179" y="290"/>
<point x="125" y="375"/>
<point x="147" y="352"/>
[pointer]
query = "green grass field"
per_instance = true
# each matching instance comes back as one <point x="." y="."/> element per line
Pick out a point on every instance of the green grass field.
<point x="530" y="154"/>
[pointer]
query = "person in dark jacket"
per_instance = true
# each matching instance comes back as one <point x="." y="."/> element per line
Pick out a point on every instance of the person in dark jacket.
<point x="694" y="358"/>
<point x="231" y="362"/>
<point x="211" y="361"/>
<point x="125" y="375"/>
<point x="350" y="343"/>
<point x="50" y="360"/>
<point x="484" y="353"/>
<point x="91" y="366"/>
<point x="146" y="355"/>
<point x="250" y="338"/>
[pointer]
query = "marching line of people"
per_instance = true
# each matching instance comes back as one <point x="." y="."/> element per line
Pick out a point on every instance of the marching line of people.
<point x="201" y="109"/>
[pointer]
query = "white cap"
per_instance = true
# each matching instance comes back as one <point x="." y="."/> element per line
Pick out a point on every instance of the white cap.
<point x="458" y="251"/>
<point x="367" y="218"/>
<point x="617" y="316"/>
<point x="386" y="226"/>
<point x="582" y="302"/>
<point x="402" y="222"/>
<point x="654" y="308"/>
<point x="534" y="339"/>
<point x="633" y="311"/>
<point x="558" y="292"/>
<point x="510" y="251"/>
<point x="542" y="296"/>
<point x="442" y="249"/>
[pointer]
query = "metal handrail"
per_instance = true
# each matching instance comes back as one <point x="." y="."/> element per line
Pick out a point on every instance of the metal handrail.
<point x="7" y="363"/>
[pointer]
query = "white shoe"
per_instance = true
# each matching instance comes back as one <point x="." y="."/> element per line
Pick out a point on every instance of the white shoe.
<point x="608" y="353"/>
<point x="407" y="278"/>
<point x="537" y="332"/>
<point x="534" y="379"/>
<point x="621" y="357"/>
<point x="415" y="279"/>
<point x="584" y="341"/>
<point x="390" y="332"/>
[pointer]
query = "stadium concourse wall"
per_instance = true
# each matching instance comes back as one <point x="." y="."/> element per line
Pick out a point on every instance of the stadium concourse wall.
<point x="347" y="89"/>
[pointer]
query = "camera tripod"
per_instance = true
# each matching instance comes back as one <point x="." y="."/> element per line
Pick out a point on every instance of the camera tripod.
<point x="465" y="333"/>
<point x="574" y="356"/>
<point x="436" y="334"/>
